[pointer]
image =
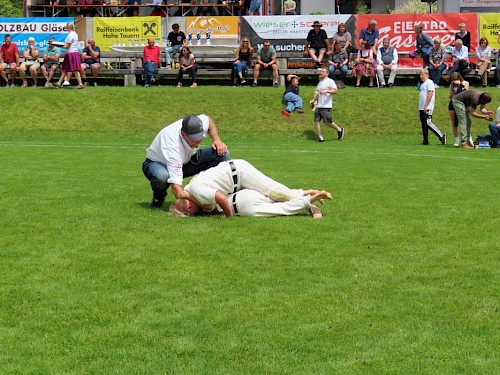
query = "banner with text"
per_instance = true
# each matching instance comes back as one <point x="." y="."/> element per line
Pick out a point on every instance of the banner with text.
<point x="489" y="28"/>
<point x="20" y="29"/>
<point x="480" y="4"/>
<point x="289" y="33"/>
<point x="220" y="28"/>
<point x="126" y="32"/>
<point x="400" y="30"/>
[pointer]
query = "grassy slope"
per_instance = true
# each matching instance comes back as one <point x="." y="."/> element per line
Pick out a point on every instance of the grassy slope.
<point x="399" y="277"/>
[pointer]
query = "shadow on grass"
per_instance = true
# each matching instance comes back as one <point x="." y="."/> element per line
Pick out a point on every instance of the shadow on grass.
<point x="311" y="135"/>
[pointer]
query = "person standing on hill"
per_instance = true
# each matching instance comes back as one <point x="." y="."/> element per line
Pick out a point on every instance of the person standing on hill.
<point x="426" y="99"/>
<point x="323" y="95"/>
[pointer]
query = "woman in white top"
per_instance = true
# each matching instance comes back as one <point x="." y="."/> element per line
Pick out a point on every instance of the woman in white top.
<point x="483" y="53"/>
<point x="72" y="61"/>
<point x="187" y="65"/>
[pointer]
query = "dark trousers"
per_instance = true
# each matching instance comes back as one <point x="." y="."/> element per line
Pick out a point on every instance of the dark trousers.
<point x="191" y="71"/>
<point x="461" y="67"/>
<point x="426" y="122"/>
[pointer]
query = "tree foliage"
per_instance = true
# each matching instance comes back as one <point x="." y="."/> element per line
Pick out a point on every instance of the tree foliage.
<point x="11" y="8"/>
<point x="415" y="6"/>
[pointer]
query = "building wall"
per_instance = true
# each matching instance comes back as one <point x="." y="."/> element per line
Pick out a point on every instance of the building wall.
<point x="325" y="6"/>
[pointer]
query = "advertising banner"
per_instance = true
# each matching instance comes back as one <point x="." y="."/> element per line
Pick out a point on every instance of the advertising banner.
<point x="126" y="32"/>
<point x="400" y="30"/>
<point x="289" y="33"/>
<point x="489" y="28"/>
<point x="20" y="29"/>
<point x="480" y="4"/>
<point x="220" y="28"/>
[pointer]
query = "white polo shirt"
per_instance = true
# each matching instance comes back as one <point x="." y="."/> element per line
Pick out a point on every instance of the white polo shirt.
<point x="169" y="148"/>
<point x="325" y="100"/>
<point x="425" y="87"/>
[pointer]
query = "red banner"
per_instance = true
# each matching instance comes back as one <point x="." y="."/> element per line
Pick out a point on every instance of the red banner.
<point x="400" y="30"/>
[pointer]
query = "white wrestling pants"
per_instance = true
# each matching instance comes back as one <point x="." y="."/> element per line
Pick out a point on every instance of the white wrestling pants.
<point x="248" y="202"/>
<point x="250" y="177"/>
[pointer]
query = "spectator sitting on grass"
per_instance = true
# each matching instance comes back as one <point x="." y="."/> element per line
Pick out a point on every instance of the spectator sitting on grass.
<point x="291" y="96"/>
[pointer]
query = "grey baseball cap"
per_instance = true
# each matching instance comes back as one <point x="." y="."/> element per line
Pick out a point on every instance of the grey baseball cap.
<point x="193" y="127"/>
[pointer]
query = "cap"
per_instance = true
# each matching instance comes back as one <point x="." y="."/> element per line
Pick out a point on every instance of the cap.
<point x="193" y="127"/>
<point x="317" y="23"/>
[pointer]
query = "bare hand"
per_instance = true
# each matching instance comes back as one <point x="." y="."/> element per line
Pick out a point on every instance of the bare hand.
<point x="220" y="147"/>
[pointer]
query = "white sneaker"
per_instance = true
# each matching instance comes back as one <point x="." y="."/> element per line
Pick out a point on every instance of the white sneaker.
<point x="66" y="83"/>
<point x="436" y="86"/>
<point x="457" y="142"/>
<point x="471" y="141"/>
<point x="498" y="86"/>
<point x="321" y="139"/>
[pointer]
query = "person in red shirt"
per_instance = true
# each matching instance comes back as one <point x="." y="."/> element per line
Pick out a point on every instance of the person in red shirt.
<point x="151" y="61"/>
<point x="9" y="58"/>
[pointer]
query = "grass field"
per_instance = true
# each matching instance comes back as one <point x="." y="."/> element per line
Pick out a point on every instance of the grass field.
<point x="399" y="277"/>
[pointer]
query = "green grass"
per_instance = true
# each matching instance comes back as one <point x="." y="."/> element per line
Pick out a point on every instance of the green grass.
<point x="400" y="276"/>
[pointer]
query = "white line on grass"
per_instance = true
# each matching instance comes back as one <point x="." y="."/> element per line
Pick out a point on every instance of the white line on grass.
<point x="338" y="151"/>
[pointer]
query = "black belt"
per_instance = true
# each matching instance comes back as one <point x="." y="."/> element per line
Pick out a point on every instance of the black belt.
<point x="235" y="209"/>
<point x="235" y="176"/>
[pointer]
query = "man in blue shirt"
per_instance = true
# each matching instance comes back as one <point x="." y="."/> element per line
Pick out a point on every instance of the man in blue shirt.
<point x="91" y="57"/>
<point x="370" y="35"/>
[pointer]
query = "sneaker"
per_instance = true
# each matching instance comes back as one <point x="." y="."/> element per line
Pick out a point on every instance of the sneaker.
<point x="285" y="113"/>
<point x="86" y="84"/>
<point x="498" y="86"/>
<point x="443" y="139"/>
<point x="318" y="64"/>
<point x="254" y="84"/>
<point x="276" y="85"/>
<point x="299" y="110"/>
<point x="471" y="141"/>
<point x="457" y="142"/>
<point x="194" y="85"/>
<point x="148" y="85"/>
<point x="340" y="133"/>
<point x="243" y="81"/>
<point x="425" y="143"/>
<point x="321" y="139"/>
<point x="157" y="203"/>
<point x="12" y="84"/>
<point x="436" y="86"/>
<point x="95" y="84"/>
<point x="66" y="83"/>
